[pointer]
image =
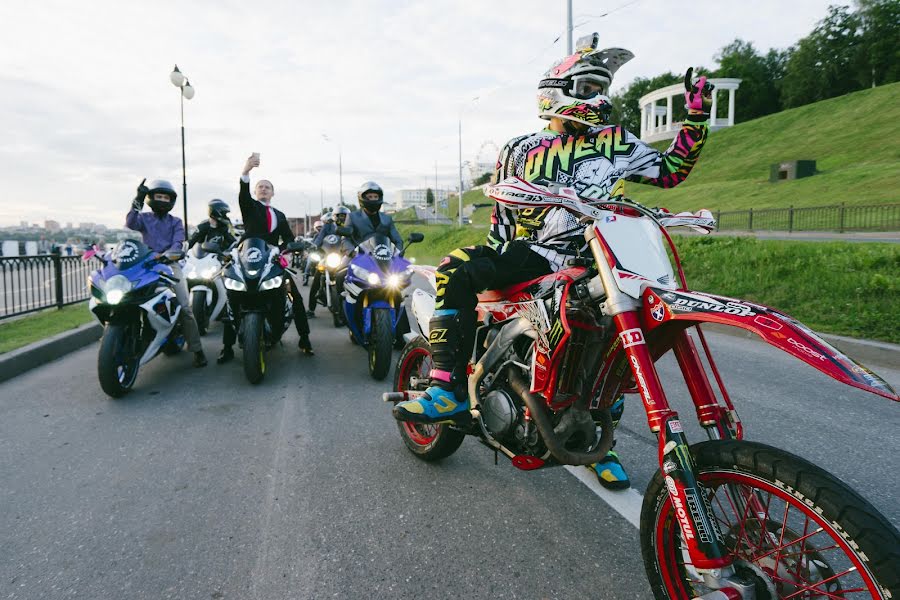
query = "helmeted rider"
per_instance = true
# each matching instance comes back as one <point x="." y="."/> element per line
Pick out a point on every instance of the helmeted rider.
<point x="162" y="233"/>
<point x="580" y="148"/>
<point x="337" y="218"/>
<point x="369" y="220"/>
<point x="217" y="229"/>
<point x="311" y="237"/>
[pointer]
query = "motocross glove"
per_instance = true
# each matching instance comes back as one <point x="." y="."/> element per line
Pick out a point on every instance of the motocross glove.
<point x="142" y="191"/>
<point x="697" y="95"/>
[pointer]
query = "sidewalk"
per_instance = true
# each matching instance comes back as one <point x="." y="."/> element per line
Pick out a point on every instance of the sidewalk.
<point x="889" y="237"/>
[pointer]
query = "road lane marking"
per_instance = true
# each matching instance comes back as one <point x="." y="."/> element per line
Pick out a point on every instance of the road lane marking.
<point x="625" y="502"/>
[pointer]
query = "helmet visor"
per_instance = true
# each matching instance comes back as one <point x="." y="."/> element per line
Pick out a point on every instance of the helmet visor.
<point x="585" y="87"/>
<point x="340" y="219"/>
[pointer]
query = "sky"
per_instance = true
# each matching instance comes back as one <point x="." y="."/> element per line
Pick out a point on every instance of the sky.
<point x="87" y="109"/>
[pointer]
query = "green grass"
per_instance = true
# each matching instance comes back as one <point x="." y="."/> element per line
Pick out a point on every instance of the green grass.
<point x="833" y="287"/>
<point x="854" y="139"/>
<point x="39" y="326"/>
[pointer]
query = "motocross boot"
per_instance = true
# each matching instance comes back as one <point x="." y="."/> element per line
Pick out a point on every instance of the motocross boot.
<point x="610" y="472"/>
<point x="446" y="400"/>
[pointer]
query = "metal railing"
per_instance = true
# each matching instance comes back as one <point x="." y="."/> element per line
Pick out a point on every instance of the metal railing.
<point x="32" y="283"/>
<point x="841" y="218"/>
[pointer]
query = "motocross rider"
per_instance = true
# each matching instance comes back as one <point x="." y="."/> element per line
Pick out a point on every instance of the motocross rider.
<point x="579" y="148"/>
<point x="262" y="220"/>
<point x="162" y="233"/>
<point x="217" y="229"/>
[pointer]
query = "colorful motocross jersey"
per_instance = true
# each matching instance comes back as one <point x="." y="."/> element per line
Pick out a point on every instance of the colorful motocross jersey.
<point x="595" y="164"/>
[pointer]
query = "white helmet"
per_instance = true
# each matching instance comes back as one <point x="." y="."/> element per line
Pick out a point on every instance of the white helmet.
<point x="317" y="225"/>
<point x="576" y="87"/>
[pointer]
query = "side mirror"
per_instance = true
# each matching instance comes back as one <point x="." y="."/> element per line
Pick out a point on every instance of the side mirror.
<point x="295" y="246"/>
<point x="344" y="231"/>
<point x="211" y="247"/>
<point x="415" y="238"/>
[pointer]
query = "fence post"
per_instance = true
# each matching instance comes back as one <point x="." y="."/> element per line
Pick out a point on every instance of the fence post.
<point x="750" y="220"/>
<point x="791" y="218"/>
<point x="718" y="219"/>
<point x="57" y="274"/>
<point x="841" y="230"/>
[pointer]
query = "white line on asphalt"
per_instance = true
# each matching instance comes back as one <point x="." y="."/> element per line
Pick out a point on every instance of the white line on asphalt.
<point x="626" y="502"/>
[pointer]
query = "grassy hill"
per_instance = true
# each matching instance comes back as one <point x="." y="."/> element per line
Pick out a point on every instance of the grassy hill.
<point x="854" y="139"/>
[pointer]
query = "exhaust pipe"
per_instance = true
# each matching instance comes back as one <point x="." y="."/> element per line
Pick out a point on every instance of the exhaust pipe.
<point x="539" y="414"/>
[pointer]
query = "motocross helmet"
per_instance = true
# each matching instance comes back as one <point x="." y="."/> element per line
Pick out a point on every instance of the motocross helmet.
<point x="370" y="206"/>
<point x="341" y="214"/>
<point x="161" y="186"/>
<point x="576" y="88"/>
<point x="218" y="210"/>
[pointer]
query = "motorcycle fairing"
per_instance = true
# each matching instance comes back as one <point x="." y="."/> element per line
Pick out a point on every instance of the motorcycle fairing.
<point x="162" y="312"/>
<point x="662" y="306"/>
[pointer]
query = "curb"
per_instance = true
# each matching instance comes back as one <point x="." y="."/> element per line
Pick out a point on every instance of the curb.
<point x="864" y="351"/>
<point x="23" y="359"/>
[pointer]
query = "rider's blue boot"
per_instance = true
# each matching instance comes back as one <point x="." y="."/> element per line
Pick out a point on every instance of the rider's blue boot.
<point x="610" y="471"/>
<point x="446" y="399"/>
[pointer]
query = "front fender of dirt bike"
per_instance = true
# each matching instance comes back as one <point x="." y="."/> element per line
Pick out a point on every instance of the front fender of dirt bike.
<point x="668" y="308"/>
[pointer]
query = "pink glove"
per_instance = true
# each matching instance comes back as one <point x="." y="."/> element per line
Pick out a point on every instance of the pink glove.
<point x="697" y="96"/>
<point x="283" y="261"/>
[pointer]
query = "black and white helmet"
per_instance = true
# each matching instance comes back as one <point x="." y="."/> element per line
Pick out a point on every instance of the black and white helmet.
<point x="218" y="210"/>
<point x="161" y="186"/>
<point x="576" y="88"/>
<point x="371" y="206"/>
<point x="341" y="214"/>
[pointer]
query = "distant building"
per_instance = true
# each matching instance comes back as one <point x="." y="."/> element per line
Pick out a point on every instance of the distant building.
<point x="68" y="224"/>
<point x="52" y="226"/>
<point x="86" y="226"/>
<point x="418" y="197"/>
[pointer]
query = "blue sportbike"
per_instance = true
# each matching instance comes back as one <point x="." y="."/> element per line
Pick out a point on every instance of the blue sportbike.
<point x="373" y="298"/>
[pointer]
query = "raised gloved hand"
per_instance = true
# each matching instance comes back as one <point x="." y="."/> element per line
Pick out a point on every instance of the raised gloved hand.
<point x="142" y="191"/>
<point x="697" y="95"/>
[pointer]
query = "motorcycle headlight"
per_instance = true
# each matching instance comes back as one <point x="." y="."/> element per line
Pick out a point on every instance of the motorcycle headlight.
<point x="190" y="272"/>
<point x="208" y="273"/>
<point x="116" y="288"/>
<point x="373" y="279"/>
<point x="315" y="256"/>
<point x="394" y="280"/>
<point x="235" y="285"/>
<point x="271" y="284"/>
<point x="332" y="260"/>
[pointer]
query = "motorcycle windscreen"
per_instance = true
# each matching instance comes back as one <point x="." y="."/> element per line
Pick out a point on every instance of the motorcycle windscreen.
<point x="637" y="253"/>
<point x="253" y="252"/>
<point x="128" y="253"/>
<point x="381" y="249"/>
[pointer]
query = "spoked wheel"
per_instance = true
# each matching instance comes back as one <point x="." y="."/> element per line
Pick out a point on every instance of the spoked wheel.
<point x="794" y="530"/>
<point x="428" y="442"/>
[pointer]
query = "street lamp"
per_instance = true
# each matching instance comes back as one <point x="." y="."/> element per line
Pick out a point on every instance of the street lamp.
<point x="187" y="91"/>
<point x="340" y="166"/>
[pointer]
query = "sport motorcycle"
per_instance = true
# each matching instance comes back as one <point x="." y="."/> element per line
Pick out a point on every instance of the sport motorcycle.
<point x="721" y="519"/>
<point x="203" y="271"/>
<point x="373" y="298"/>
<point x="332" y="268"/>
<point x="133" y="297"/>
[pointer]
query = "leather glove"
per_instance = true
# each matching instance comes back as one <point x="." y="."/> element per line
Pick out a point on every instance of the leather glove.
<point x="697" y="95"/>
<point x="142" y="191"/>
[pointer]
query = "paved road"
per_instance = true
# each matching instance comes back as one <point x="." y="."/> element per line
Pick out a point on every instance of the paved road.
<point x="198" y="485"/>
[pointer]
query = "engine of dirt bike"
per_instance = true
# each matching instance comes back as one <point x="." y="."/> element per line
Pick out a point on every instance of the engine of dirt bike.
<point x="559" y="330"/>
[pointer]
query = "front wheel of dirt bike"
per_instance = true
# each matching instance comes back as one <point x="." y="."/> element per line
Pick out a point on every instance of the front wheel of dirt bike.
<point x="254" y="348"/>
<point x="381" y="344"/>
<point x="428" y="442"/>
<point x="201" y="312"/>
<point x="793" y="529"/>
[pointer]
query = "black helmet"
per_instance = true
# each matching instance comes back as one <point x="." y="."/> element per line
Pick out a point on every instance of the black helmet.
<point x="371" y="206"/>
<point x="341" y="214"/>
<point x="161" y="186"/>
<point x="218" y="210"/>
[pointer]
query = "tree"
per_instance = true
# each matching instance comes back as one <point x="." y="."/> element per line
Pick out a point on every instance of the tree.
<point x="626" y="110"/>
<point x="760" y="78"/>
<point x="881" y="39"/>
<point x="482" y="179"/>
<point x="429" y="197"/>
<point x="828" y="62"/>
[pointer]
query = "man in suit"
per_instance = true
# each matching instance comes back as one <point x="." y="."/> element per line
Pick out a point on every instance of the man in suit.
<point x="369" y="220"/>
<point x="262" y="220"/>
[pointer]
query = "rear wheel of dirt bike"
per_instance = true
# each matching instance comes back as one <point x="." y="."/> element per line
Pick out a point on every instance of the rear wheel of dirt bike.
<point x="381" y="344"/>
<point x="254" y="348"/>
<point x="428" y="442"/>
<point x="201" y="312"/>
<point x="117" y="360"/>
<point x="793" y="529"/>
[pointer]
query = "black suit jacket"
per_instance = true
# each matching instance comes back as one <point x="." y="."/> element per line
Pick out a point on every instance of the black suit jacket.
<point x="255" y="223"/>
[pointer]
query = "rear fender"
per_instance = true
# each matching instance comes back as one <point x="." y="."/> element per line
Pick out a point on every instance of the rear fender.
<point x="661" y="307"/>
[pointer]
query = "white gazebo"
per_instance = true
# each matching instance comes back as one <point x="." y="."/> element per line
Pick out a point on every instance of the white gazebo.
<point x="656" y="120"/>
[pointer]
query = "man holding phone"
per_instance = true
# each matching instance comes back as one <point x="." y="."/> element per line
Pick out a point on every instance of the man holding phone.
<point x="262" y="220"/>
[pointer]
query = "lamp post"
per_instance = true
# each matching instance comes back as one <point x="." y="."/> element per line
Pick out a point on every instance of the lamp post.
<point x="186" y="91"/>
<point x="340" y="167"/>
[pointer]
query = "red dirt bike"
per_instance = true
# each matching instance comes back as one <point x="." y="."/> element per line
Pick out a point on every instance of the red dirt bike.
<point x="721" y="519"/>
